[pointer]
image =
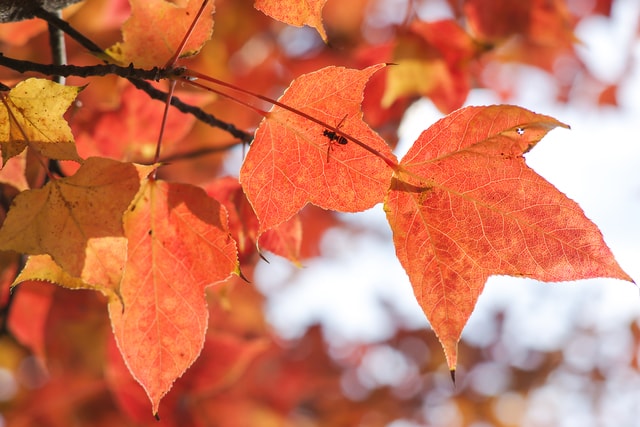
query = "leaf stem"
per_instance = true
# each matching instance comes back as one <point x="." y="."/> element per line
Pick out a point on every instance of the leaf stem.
<point x="172" y="86"/>
<point x="171" y="62"/>
<point x="227" y="96"/>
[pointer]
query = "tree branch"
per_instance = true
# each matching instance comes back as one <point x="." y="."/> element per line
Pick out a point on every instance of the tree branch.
<point x="136" y="76"/>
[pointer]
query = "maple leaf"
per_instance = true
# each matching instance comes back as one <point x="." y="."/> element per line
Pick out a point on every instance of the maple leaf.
<point x="31" y="115"/>
<point x="156" y="28"/>
<point x="294" y="160"/>
<point x="467" y="207"/>
<point x="178" y="244"/>
<point x="77" y="220"/>
<point x="295" y="12"/>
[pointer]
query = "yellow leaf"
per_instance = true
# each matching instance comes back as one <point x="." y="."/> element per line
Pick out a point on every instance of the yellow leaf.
<point x="44" y="269"/>
<point x="31" y="115"/>
<point x="77" y="220"/>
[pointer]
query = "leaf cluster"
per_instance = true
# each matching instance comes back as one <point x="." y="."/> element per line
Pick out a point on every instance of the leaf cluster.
<point x="94" y="200"/>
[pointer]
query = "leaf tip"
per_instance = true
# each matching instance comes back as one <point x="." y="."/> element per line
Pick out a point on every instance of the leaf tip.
<point x="241" y="275"/>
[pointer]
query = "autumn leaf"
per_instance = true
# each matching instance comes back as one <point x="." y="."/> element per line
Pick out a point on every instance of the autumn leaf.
<point x="284" y="240"/>
<point x="135" y="140"/>
<point x="295" y="12"/>
<point x="31" y="115"/>
<point x="156" y="28"/>
<point x="223" y="362"/>
<point x="294" y="161"/>
<point x="433" y="59"/>
<point x="77" y="220"/>
<point x="466" y="207"/>
<point x="44" y="269"/>
<point x="543" y="21"/>
<point x="178" y="244"/>
<point x="536" y="32"/>
<point x="13" y="172"/>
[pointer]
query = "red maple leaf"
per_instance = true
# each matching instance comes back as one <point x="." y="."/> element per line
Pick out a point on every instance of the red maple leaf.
<point x="178" y="244"/>
<point x="323" y="153"/>
<point x="466" y="206"/>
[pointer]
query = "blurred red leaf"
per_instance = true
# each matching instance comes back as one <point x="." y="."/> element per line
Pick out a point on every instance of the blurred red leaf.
<point x="295" y="12"/>
<point x="433" y="60"/>
<point x="28" y="316"/>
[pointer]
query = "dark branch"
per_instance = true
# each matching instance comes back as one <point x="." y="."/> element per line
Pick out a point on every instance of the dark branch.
<point x="137" y="76"/>
<point x="23" y="66"/>
<point x="200" y="114"/>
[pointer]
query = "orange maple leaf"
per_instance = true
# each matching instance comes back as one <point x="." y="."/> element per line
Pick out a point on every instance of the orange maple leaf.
<point x="295" y="12"/>
<point x="467" y="207"/>
<point x="156" y="28"/>
<point x="31" y="115"/>
<point x="178" y="244"/>
<point x="324" y="153"/>
<point x="78" y="221"/>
